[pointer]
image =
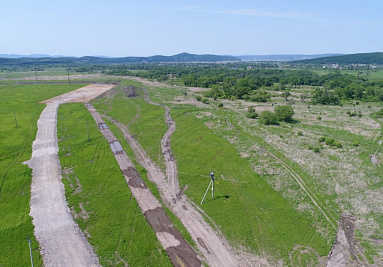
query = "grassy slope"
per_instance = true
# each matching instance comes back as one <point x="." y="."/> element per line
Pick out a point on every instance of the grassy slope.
<point x="148" y="130"/>
<point x="15" y="178"/>
<point x="254" y="214"/>
<point x="248" y="210"/>
<point x="116" y="225"/>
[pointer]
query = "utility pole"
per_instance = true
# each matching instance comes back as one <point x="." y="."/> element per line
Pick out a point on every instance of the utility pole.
<point x="14" y="113"/>
<point x="260" y="160"/>
<point x="87" y="129"/>
<point x="30" y="250"/>
<point x="36" y="73"/>
<point x="68" y="75"/>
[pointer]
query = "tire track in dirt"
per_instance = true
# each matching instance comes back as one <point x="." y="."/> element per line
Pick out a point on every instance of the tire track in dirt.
<point x="215" y="249"/>
<point x="179" y="251"/>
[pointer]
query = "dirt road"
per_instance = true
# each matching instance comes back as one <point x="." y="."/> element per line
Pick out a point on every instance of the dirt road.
<point x="61" y="241"/>
<point x="211" y="244"/>
<point x="179" y="251"/>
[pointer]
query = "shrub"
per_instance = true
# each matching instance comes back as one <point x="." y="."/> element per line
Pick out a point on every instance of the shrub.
<point x="220" y="105"/>
<point x="268" y="118"/>
<point x="205" y="101"/>
<point x="360" y="114"/>
<point x="284" y="113"/>
<point x="319" y="118"/>
<point x="252" y="115"/>
<point x="329" y="141"/>
<point x="337" y="144"/>
<point x="355" y="143"/>
<point x="351" y="114"/>
<point x="198" y="97"/>
<point x="260" y="96"/>
<point x="322" y="139"/>
<point x="378" y="114"/>
<point x="316" y="149"/>
<point x="300" y="133"/>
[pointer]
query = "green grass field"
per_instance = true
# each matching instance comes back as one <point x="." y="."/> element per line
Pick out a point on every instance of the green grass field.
<point x="116" y="227"/>
<point x="15" y="178"/>
<point x="249" y="212"/>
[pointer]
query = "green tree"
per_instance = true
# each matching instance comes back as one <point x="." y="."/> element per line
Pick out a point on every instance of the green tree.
<point x="268" y="118"/>
<point x="284" y="113"/>
<point x="286" y="95"/>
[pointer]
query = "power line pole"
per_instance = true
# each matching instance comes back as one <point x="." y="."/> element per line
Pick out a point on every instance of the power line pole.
<point x="14" y="113"/>
<point x="30" y="250"/>
<point x="87" y="129"/>
<point x="68" y="76"/>
<point x="260" y="160"/>
<point x="36" y="73"/>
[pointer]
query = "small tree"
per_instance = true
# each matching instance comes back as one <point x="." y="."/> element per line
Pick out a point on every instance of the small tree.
<point x="268" y="118"/>
<point x="284" y="113"/>
<point x="251" y="113"/>
<point x="286" y="95"/>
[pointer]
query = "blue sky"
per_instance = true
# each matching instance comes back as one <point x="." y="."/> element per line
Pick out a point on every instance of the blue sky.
<point x="167" y="27"/>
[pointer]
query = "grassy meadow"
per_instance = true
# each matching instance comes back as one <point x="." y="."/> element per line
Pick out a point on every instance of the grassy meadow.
<point x="341" y="180"/>
<point x="99" y="197"/>
<point x="247" y="209"/>
<point x="20" y="102"/>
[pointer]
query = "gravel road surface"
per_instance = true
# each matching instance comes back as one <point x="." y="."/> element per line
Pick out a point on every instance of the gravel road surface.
<point x="61" y="241"/>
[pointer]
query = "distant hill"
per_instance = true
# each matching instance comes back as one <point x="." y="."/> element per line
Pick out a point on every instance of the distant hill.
<point x="289" y="57"/>
<point x="360" y="58"/>
<point x="183" y="57"/>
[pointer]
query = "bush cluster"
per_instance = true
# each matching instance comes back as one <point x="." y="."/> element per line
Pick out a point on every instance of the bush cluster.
<point x="268" y="118"/>
<point x="330" y="142"/>
<point x="251" y="114"/>
<point x="281" y="113"/>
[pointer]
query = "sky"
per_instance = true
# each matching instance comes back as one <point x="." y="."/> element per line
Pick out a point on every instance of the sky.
<point x="120" y="28"/>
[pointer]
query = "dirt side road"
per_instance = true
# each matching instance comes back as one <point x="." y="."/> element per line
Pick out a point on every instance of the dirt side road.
<point x="179" y="251"/>
<point x="61" y="241"/>
<point x="211" y="244"/>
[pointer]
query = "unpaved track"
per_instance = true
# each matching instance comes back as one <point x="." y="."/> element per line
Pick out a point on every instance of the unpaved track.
<point x="61" y="241"/>
<point x="298" y="179"/>
<point x="179" y="251"/>
<point x="215" y="249"/>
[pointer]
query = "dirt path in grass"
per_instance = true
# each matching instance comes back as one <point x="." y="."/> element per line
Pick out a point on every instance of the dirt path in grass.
<point x="61" y="241"/>
<point x="211" y="243"/>
<point x="178" y="250"/>
<point x="314" y="199"/>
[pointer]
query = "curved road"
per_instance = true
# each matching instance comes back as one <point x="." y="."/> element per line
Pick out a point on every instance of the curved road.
<point x="215" y="249"/>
